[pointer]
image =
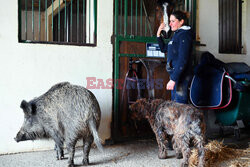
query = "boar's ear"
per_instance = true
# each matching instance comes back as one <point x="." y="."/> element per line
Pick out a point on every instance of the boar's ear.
<point x="24" y="105"/>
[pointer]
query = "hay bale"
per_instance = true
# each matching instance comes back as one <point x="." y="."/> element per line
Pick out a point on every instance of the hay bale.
<point x="215" y="153"/>
<point x="237" y="163"/>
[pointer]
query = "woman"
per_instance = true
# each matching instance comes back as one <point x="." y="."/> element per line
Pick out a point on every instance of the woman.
<point x="179" y="51"/>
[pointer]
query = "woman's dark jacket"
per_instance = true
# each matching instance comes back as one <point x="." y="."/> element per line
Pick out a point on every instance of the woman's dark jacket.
<point x="179" y="51"/>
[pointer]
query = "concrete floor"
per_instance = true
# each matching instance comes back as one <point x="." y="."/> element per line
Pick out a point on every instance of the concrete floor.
<point x="140" y="153"/>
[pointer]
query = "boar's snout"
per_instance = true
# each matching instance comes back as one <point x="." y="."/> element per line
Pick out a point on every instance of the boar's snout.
<point x="16" y="139"/>
<point x="19" y="137"/>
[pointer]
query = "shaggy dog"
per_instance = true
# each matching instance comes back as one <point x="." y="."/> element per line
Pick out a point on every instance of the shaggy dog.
<point x="183" y="122"/>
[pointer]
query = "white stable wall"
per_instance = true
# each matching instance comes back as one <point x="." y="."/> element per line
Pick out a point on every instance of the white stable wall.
<point x="29" y="70"/>
<point x="208" y="25"/>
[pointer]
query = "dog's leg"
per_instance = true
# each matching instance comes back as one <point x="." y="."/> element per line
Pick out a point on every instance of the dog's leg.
<point x="160" y="138"/>
<point x="198" y="131"/>
<point x="186" y="154"/>
<point x="186" y="151"/>
<point x="177" y="148"/>
<point x="178" y="154"/>
<point x="168" y="143"/>
<point x="201" y="151"/>
<point x="162" y="142"/>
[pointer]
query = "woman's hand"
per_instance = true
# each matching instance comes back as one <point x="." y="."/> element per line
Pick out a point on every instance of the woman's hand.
<point x="170" y="85"/>
<point x="161" y="27"/>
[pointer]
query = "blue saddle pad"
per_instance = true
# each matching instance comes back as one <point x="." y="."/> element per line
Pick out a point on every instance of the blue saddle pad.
<point x="210" y="89"/>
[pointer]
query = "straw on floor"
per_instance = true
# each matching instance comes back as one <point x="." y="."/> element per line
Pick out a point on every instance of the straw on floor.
<point x="217" y="154"/>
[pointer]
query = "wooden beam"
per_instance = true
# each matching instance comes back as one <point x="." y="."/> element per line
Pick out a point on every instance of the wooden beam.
<point x="49" y="16"/>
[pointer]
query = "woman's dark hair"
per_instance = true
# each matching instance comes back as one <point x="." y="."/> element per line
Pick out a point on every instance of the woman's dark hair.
<point x="180" y="15"/>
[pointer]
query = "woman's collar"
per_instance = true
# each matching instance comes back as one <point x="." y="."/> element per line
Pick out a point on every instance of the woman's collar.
<point x="185" y="28"/>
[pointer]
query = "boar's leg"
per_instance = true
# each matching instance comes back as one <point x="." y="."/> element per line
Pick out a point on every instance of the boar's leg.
<point x="58" y="144"/>
<point x="71" y="150"/>
<point x="59" y="151"/>
<point x="87" y="141"/>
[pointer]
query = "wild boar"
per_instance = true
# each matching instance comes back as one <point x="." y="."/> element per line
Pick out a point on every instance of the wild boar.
<point x="64" y="113"/>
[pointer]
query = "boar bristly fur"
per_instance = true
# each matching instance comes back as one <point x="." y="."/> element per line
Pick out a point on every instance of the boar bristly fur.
<point x="64" y="113"/>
